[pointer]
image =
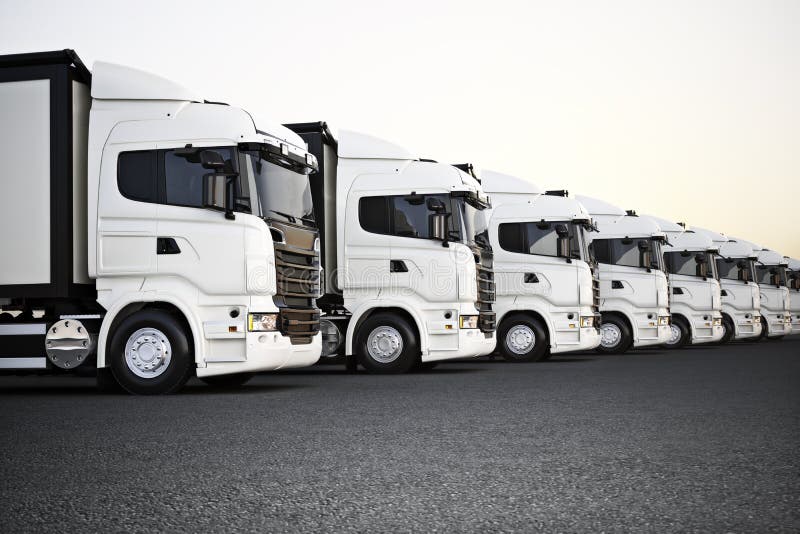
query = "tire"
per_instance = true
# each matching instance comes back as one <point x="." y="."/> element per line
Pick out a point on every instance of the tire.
<point x="615" y="336"/>
<point x="150" y="354"/>
<point x="730" y="330"/>
<point x="387" y="344"/>
<point x="681" y="333"/>
<point x="106" y="383"/>
<point x="522" y="338"/>
<point x="764" y="329"/>
<point x="227" y="381"/>
<point x="422" y="367"/>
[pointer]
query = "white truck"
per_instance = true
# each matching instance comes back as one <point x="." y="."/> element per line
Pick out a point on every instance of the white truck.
<point x="634" y="292"/>
<point x="695" y="300"/>
<point x="408" y="266"/>
<point x="547" y="290"/>
<point x="793" y="283"/>
<point x="741" y="301"/>
<point x="147" y="232"/>
<point x="776" y="319"/>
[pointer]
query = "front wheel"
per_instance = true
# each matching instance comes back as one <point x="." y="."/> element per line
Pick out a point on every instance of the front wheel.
<point x="149" y="353"/>
<point x="523" y="339"/>
<point x="615" y="336"/>
<point x="227" y="381"/>
<point x="728" y="330"/>
<point x="387" y="345"/>
<point x="678" y="334"/>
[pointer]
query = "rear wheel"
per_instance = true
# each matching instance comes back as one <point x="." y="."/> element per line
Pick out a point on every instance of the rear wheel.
<point x="615" y="336"/>
<point x="149" y="353"/>
<point x="387" y="344"/>
<point x="523" y="338"/>
<point x="728" y="328"/>
<point x="679" y="334"/>
<point x="227" y="381"/>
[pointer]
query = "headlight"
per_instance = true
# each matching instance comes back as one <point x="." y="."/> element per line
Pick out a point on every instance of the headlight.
<point x="756" y="318"/>
<point x="262" y="322"/>
<point x="717" y="321"/>
<point x="587" y="322"/>
<point x="663" y="320"/>
<point x="468" y="321"/>
<point x="788" y="319"/>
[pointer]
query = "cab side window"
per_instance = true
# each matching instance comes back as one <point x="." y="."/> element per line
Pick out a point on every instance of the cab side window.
<point x="183" y="176"/>
<point x="137" y="175"/>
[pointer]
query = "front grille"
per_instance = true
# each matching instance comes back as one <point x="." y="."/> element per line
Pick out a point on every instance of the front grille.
<point x="486" y="292"/>
<point x="297" y="276"/>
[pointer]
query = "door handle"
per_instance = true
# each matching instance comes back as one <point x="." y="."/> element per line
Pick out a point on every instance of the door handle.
<point x="616" y="284"/>
<point x="531" y="278"/>
<point x="167" y="245"/>
<point x="397" y="266"/>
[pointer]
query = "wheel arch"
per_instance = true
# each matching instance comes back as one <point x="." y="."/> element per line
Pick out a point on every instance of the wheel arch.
<point x="116" y="315"/>
<point x="531" y="314"/>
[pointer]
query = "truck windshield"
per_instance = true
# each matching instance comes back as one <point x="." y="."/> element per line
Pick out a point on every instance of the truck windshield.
<point x="735" y="269"/>
<point x="688" y="263"/>
<point x="281" y="193"/>
<point x="774" y="275"/>
<point x="793" y="278"/>
<point x="643" y="252"/>
<point x="474" y="227"/>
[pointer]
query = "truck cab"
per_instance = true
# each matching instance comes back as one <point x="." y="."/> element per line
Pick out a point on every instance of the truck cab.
<point x="776" y="319"/>
<point x="188" y="232"/>
<point x="634" y="293"/>
<point x="741" y="300"/>
<point x="793" y="283"/>
<point x="408" y="266"/>
<point x="695" y="300"/>
<point x="547" y="290"/>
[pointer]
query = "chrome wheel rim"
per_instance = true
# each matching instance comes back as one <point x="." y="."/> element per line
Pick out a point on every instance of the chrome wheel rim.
<point x="610" y="335"/>
<point x="148" y="353"/>
<point x="520" y="339"/>
<point x="384" y="344"/>
<point x="674" y="334"/>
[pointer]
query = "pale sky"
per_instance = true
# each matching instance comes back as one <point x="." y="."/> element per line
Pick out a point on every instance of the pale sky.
<point x="689" y="110"/>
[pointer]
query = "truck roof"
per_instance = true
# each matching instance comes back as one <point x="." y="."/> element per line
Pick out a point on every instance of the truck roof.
<point x="734" y="248"/>
<point x="770" y="257"/>
<point x="120" y="82"/>
<point x="497" y="182"/>
<point x="596" y="207"/>
<point x="614" y="222"/>
<point x="714" y="236"/>
<point x="793" y="263"/>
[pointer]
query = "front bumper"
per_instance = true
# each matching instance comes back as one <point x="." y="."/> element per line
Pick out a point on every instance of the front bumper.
<point x="777" y="325"/>
<point x="795" y="323"/>
<point x="707" y="328"/>
<point x="471" y="343"/>
<point x="263" y="351"/>
<point x="746" y="327"/>
<point x="570" y="337"/>
<point x="650" y="328"/>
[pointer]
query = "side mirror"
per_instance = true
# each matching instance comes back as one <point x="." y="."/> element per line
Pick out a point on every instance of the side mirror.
<point x="435" y="205"/>
<point x="437" y="223"/>
<point x="700" y="258"/>
<point x="212" y="160"/>
<point x="643" y="245"/>
<point x="214" y="191"/>
<point x="561" y="230"/>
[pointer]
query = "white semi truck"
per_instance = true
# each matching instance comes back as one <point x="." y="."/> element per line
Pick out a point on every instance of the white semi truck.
<point x="547" y="290"/>
<point x="695" y="294"/>
<point x="408" y="266"/>
<point x="776" y="319"/>
<point x="634" y="292"/>
<point x="148" y="232"/>
<point x="793" y="283"/>
<point x="741" y="301"/>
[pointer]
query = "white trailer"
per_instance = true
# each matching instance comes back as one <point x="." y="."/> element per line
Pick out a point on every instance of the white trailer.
<point x="634" y="292"/>
<point x="140" y="230"/>
<point x="695" y="293"/>
<point x="547" y="290"/>
<point x="408" y="266"/>
<point x="793" y="283"/>
<point x="741" y="300"/>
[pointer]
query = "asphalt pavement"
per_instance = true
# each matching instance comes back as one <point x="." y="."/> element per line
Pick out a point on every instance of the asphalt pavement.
<point x="705" y="439"/>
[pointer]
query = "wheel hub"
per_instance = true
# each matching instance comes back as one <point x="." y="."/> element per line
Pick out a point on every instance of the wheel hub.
<point x="674" y="334"/>
<point x="384" y="344"/>
<point x="610" y="335"/>
<point x="520" y="339"/>
<point x="148" y="352"/>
